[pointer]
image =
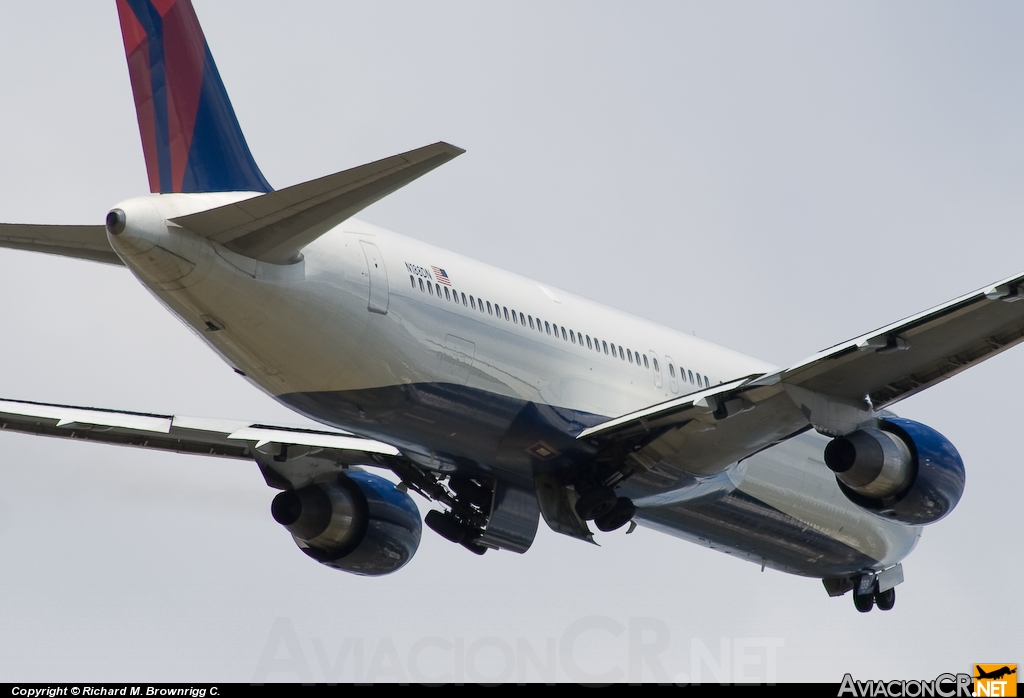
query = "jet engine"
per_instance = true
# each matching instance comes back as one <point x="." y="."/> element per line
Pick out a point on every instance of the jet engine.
<point x="900" y="469"/>
<point x="358" y="523"/>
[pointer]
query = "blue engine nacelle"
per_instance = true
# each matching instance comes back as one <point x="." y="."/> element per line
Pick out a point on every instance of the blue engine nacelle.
<point x="359" y="523"/>
<point x="899" y="469"/>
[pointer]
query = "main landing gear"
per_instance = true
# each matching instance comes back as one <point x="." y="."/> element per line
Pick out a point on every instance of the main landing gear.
<point x="448" y="526"/>
<point x="870" y="588"/>
<point x="607" y="510"/>
<point x="865" y="600"/>
<point x="464" y="523"/>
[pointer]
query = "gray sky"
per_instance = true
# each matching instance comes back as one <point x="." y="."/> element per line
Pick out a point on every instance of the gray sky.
<point x="774" y="177"/>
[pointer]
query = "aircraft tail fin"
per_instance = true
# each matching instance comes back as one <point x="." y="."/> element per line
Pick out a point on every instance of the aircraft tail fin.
<point x="190" y="135"/>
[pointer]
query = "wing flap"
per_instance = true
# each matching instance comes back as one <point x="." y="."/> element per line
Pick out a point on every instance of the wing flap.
<point x="700" y="434"/>
<point x="213" y="437"/>
<point x="274" y="227"/>
<point x="78" y="241"/>
<point x="670" y="413"/>
<point x="901" y="359"/>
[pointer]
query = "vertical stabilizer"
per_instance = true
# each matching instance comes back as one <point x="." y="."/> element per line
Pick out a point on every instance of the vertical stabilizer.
<point x="190" y="135"/>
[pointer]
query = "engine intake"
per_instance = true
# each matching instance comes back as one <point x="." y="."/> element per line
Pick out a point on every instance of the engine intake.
<point x="359" y="523"/>
<point x="900" y="469"/>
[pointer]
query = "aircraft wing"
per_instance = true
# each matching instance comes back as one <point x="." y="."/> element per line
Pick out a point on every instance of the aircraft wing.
<point x="898" y="360"/>
<point x="835" y="390"/>
<point x="79" y="241"/>
<point x="288" y="456"/>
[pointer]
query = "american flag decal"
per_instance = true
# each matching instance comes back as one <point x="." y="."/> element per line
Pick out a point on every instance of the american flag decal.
<point x="441" y="277"/>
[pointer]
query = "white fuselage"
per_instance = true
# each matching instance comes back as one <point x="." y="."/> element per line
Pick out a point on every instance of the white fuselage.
<point x="452" y="359"/>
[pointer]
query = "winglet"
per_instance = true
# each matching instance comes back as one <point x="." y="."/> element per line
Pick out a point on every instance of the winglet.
<point x="190" y="135"/>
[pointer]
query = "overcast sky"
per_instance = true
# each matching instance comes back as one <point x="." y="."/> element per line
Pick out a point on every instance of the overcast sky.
<point x="773" y="177"/>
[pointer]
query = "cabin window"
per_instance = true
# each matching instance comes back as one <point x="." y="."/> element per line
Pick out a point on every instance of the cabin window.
<point x="572" y="336"/>
<point x="656" y="365"/>
<point x="588" y="342"/>
<point x="421" y="284"/>
<point x="622" y="355"/>
<point x="430" y="288"/>
<point x="646" y="365"/>
<point x="691" y="375"/>
<point x="505" y="311"/>
<point x="672" y="370"/>
<point x="412" y="280"/>
<point x="522" y="320"/>
<point x="547" y="327"/>
<point x="613" y="350"/>
<point x="472" y="302"/>
<point x="629" y="355"/>
<point x="699" y="381"/>
<point x="605" y="345"/>
<point x="707" y="383"/>
<point x="531" y="321"/>
<point x="515" y="319"/>
<point x="480" y="305"/>
<point x="446" y="296"/>
<point x="564" y="335"/>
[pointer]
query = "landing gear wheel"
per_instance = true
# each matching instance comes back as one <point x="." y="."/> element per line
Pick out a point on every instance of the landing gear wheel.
<point x="619" y="516"/>
<point x="474" y="546"/>
<point x="885" y="600"/>
<point x="446" y="526"/>
<point x="596" y="502"/>
<point x="864" y="602"/>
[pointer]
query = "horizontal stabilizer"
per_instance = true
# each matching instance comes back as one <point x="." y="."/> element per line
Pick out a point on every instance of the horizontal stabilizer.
<point x="274" y="227"/>
<point x="79" y="241"/>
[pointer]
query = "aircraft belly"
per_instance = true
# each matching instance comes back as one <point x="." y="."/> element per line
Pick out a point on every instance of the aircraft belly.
<point x="743" y="526"/>
<point x="787" y="512"/>
<point x="455" y="425"/>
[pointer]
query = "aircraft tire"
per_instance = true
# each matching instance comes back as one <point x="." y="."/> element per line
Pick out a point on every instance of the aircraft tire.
<point x="473" y="546"/>
<point x="446" y="526"/>
<point x="885" y="600"/>
<point x="596" y="503"/>
<point x="864" y="602"/>
<point x="619" y="516"/>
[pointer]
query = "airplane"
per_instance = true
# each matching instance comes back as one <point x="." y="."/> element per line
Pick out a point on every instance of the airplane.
<point x="995" y="673"/>
<point x="502" y="400"/>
